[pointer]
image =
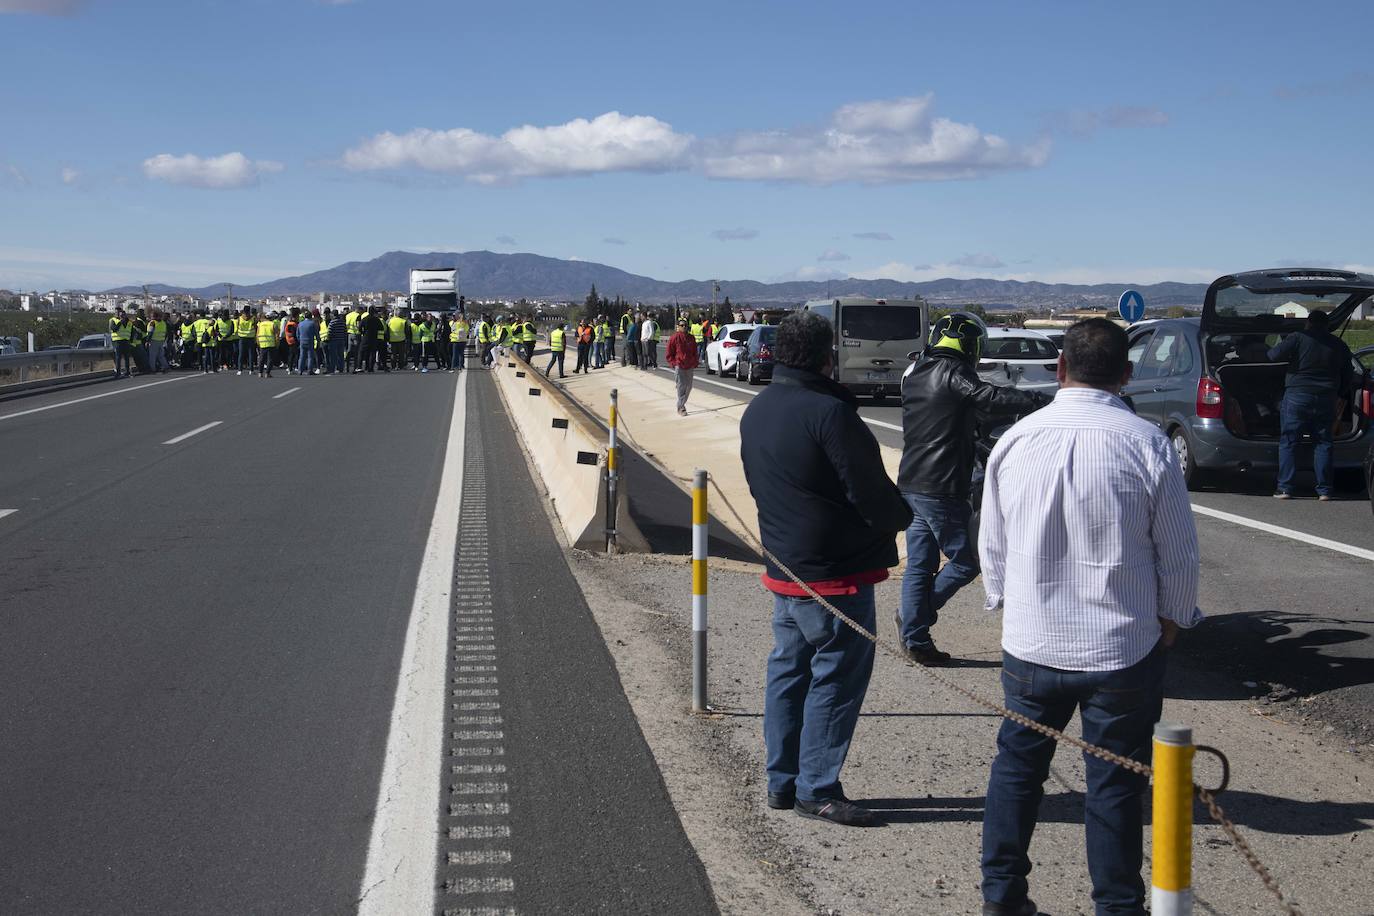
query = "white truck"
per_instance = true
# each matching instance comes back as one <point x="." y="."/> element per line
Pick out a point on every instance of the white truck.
<point x="434" y="289"/>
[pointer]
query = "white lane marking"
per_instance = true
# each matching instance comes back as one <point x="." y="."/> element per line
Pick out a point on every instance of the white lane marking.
<point x="1305" y="538"/>
<point x="5" y="512"/>
<point x="285" y="393"/>
<point x="753" y="394"/>
<point x="94" y="397"/>
<point x="402" y="853"/>
<point x="195" y="432"/>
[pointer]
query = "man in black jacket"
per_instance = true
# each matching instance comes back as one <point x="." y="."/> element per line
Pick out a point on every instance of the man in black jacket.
<point x="828" y="513"/>
<point x="942" y="399"/>
<point x="1320" y="373"/>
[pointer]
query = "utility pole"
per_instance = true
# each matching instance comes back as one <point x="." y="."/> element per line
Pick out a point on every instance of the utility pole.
<point x="145" y="300"/>
<point x="230" y="288"/>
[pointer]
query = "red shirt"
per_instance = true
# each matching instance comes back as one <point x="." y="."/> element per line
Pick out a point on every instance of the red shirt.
<point x="682" y="351"/>
<point x="845" y="585"/>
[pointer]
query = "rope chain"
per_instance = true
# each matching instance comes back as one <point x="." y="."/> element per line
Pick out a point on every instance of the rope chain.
<point x="1135" y="766"/>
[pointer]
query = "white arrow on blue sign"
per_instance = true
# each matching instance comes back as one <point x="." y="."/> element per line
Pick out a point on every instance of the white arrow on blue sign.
<point x="1131" y="306"/>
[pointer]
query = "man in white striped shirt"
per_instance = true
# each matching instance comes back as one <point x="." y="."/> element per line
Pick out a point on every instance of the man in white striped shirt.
<point x="1087" y="543"/>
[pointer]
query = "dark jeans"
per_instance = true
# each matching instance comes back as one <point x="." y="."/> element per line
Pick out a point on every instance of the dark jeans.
<point x="208" y="355"/>
<point x="1119" y="710"/>
<point x="556" y="358"/>
<point x="584" y="353"/>
<point x="266" y="357"/>
<point x="307" y="358"/>
<point x="817" y="676"/>
<point x="1306" y="412"/>
<point x="459" y="356"/>
<point x="334" y="354"/>
<point x="649" y="358"/>
<point x="243" y="356"/>
<point x="124" y="355"/>
<point x="939" y="524"/>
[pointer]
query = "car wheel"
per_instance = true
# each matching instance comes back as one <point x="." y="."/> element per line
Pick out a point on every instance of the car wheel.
<point x="753" y="376"/>
<point x="1183" y="451"/>
<point x="738" y="377"/>
<point x="709" y="370"/>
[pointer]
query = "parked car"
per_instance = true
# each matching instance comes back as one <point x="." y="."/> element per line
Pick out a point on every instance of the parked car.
<point x="1209" y="384"/>
<point x="1056" y="337"/>
<point x="875" y="340"/>
<point x="1019" y="358"/>
<point x="754" y="362"/>
<point x="7" y="350"/>
<point x="95" y="342"/>
<point x="57" y="347"/>
<point x="721" y="352"/>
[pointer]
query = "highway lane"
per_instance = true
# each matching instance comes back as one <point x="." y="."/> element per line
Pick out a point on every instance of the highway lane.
<point x="202" y="641"/>
<point x="201" y="652"/>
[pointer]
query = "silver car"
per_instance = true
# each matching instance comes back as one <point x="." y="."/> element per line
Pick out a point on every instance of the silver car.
<point x="1209" y="384"/>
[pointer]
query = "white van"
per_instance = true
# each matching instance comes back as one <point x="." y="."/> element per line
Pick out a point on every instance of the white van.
<point x="873" y="338"/>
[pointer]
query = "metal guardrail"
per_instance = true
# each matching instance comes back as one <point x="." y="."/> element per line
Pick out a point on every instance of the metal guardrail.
<point x="19" y="371"/>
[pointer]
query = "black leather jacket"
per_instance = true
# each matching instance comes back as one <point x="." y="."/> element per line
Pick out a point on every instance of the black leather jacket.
<point x="942" y="400"/>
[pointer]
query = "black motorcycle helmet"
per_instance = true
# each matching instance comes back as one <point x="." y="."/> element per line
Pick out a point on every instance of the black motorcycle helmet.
<point x="961" y="332"/>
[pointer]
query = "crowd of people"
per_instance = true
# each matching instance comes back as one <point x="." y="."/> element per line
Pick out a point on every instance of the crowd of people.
<point x="314" y="341"/>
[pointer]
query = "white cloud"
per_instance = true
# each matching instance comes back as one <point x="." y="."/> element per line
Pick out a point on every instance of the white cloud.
<point x="734" y="235"/>
<point x="874" y="236"/>
<point x="877" y="142"/>
<point x="611" y="142"/>
<point x="506" y="240"/>
<point x="980" y="261"/>
<point x="810" y="272"/>
<point x="232" y="170"/>
<point x="42" y="7"/>
<point x="66" y="269"/>
<point x="874" y="142"/>
<point x="70" y="176"/>
<point x="830" y="254"/>
<point x="916" y="273"/>
<point x="611" y="240"/>
<point x="13" y="176"/>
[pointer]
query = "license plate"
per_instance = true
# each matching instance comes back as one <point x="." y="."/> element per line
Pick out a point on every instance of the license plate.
<point x="877" y="375"/>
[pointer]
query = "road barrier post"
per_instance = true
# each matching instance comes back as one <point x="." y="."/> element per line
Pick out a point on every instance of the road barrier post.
<point x="699" y="533"/>
<point x="612" y="473"/>
<point x="1172" y="873"/>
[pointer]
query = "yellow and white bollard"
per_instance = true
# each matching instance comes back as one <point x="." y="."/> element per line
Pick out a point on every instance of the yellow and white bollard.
<point x="612" y="474"/>
<point x="1172" y="874"/>
<point x="699" y="533"/>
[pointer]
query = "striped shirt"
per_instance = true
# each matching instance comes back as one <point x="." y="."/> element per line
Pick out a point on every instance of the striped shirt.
<point x="1087" y="536"/>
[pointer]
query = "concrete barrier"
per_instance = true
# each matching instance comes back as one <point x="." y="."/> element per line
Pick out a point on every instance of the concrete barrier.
<point x="569" y="451"/>
<point x="50" y="367"/>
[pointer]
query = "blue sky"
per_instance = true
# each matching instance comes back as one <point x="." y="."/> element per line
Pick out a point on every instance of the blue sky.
<point x="205" y="140"/>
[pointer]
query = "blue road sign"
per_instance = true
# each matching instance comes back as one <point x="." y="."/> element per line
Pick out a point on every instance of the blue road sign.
<point x="1131" y="306"/>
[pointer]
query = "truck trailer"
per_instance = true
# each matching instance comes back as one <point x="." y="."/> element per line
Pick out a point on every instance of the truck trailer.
<point x="434" y="289"/>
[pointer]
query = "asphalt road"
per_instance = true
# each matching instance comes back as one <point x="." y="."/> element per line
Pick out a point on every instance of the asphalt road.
<point x="1284" y="614"/>
<point x="201" y="643"/>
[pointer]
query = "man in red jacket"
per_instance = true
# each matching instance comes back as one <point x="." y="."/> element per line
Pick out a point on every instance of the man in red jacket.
<point x="682" y="356"/>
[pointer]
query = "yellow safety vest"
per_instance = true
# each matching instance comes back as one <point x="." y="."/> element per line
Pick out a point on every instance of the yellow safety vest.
<point x="527" y="332"/>
<point x="267" y="335"/>
<point x="244" y="328"/>
<point x="556" y="343"/>
<point x="625" y="322"/>
<point x="696" y="331"/>
<point x="226" y="328"/>
<point x="458" y="329"/>
<point x="396" y="329"/>
<point x="157" y="331"/>
<point x="423" y="333"/>
<point x="324" y="330"/>
<point x="351" y="321"/>
<point x="198" y="329"/>
<point x="120" y="330"/>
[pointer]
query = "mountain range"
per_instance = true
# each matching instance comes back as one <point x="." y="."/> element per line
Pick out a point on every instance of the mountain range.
<point x="492" y="275"/>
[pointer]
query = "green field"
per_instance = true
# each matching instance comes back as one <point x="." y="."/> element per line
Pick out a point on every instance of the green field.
<point x="49" y="329"/>
<point x="1358" y="338"/>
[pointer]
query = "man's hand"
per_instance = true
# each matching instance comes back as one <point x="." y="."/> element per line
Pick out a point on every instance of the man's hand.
<point x="1169" y="632"/>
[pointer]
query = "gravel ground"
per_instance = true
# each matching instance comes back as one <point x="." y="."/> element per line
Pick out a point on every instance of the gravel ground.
<point x="921" y="754"/>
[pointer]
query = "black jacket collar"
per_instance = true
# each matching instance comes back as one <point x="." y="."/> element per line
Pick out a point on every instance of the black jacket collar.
<point x="813" y="381"/>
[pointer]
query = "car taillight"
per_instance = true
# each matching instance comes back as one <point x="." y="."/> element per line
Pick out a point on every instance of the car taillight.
<point x="729" y="344"/>
<point x="1368" y="399"/>
<point x="765" y="352"/>
<point x="1209" y="406"/>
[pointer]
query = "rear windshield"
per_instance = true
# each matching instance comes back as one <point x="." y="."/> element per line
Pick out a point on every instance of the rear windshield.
<point x="1019" y="348"/>
<point x="741" y="334"/>
<point x="1239" y="302"/>
<point x="881" y="322"/>
<point x="767" y="334"/>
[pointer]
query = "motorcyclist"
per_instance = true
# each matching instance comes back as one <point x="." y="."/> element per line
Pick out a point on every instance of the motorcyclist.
<point x="943" y="400"/>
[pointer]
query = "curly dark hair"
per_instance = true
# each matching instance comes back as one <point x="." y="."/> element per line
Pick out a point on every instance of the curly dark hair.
<point x="804" y="341"/>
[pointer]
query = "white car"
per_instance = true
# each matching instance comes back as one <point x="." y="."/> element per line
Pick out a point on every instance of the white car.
<point x="722" y="351"/>
<point x="1019" y="358"/>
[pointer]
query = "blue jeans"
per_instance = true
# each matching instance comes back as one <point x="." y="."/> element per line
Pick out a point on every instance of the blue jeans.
<point x="1119" y="710"/>
<point x="243" y="354"/>
<point x="939" y="524"/>
<point x="334" y="354"/>
<point x="1306" y="412"/>
<point x="307" y="358"/>
<point x="458" y="358"/>
<point x="817" y="676"/>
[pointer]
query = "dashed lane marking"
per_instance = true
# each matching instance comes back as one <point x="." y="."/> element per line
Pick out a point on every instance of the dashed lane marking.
<point x="95" y="397"/>
<point x="285" y="393"/>
<point x="1289" y="533"/>
<point x="195" y="432"/>
<point x="402" y="854"/>
<point x="753" y="394"/>
<point x="5" y="512"/>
